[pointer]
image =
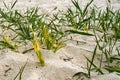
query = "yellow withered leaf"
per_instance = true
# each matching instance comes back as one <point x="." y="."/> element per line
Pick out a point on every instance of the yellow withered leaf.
<point x="38" y="52"/>
<point x="36" y="46"/>
<point x="6" y="39"/>
<point x="86" y="29"/>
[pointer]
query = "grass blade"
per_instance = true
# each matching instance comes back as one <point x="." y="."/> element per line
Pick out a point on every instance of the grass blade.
<point x="5" y="5"/>
<point x="78" y="32"/>
<point x="84" y="11"/>
<point x="13" y="4"/>
<point x="20" y="72"/>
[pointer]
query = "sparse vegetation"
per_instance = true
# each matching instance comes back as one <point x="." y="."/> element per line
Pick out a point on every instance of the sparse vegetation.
<point x="32" y="27"/>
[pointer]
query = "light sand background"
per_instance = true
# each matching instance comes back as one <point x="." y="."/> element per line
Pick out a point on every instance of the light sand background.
<point x="61" y="65"/>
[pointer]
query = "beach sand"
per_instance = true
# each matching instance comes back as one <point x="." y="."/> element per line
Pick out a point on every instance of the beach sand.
<point x="61" y="65"/>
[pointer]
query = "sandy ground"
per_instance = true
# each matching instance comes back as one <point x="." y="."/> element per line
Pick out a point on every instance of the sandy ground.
<point x="61" y="65"/>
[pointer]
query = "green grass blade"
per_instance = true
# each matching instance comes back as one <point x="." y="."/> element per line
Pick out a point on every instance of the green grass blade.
<point x="84" y="11"/>
<point x="76" y="4"/>
<point x="81" y="74"/>
<point x="5" y="5"/>
<point x="78" y="32"/>
<point x="20" y="72"/>
<point x="113" y="68"/>
<point x="95" y="67"/>
<point x="13" y="4"/>
<point x="4" y="15"/>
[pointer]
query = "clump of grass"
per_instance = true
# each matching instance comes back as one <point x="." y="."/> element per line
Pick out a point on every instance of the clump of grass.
<point x="7" y="42"/>
<point x="74" y="21"/>
<point x="21" y="26"/>
<point x="105" y="22"/>
<point x="78" y="18"/>
<point x="30" y="27"/>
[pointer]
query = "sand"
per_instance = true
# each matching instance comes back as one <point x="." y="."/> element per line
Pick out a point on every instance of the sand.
<point x="61" y="65"/>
